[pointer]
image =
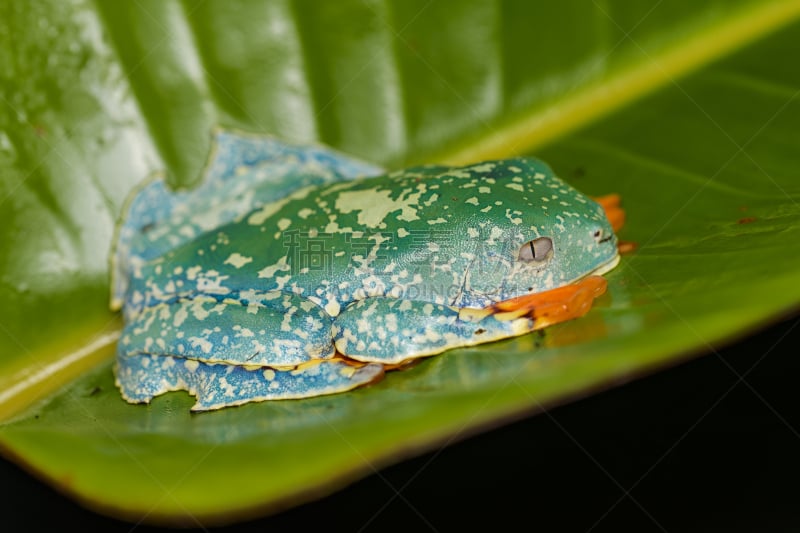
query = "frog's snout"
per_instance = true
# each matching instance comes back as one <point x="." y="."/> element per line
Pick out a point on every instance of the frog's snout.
<point x="601" y="236"/>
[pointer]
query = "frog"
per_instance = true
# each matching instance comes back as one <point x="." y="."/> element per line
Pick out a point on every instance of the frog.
<point x="294" y="270"/>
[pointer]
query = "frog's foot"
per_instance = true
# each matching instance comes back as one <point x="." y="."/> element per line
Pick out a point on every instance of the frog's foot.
<point x="553" y="306"/>
<point x="392" y="331"/>
<point x="614" y="212"/>
<point x="276" y="329"/>
<point x="142" y="377"/>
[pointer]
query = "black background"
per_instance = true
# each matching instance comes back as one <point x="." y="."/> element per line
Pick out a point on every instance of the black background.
<point x="690" y="448"/>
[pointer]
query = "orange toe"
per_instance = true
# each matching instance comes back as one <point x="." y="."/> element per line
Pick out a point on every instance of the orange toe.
<point x="614" y="212"/>
<point x="553" y="306"/>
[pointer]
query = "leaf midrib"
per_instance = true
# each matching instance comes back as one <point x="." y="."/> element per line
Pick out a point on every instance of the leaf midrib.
<point x="543" y="125"/>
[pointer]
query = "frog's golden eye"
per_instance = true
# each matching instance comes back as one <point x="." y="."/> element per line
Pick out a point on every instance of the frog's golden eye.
<point x="536" y="251"/>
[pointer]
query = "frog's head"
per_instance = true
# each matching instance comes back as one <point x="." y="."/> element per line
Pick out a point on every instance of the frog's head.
<point x="539" y="234"/>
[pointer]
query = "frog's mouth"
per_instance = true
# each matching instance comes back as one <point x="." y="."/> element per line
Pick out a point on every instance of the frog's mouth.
<point x="605" y="267"/>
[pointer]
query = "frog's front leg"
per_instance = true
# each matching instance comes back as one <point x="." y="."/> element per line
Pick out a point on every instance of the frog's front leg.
<point x="268" y="346"/>
<point x="391" y="331"/>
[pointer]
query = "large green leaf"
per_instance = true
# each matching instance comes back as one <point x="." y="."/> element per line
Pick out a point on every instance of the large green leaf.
<point x="95" y="96"/>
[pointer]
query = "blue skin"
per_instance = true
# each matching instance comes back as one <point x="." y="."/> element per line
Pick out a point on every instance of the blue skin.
<point x="240" y="289"/>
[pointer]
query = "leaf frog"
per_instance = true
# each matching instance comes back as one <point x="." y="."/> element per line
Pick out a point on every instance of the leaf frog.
<point x="294" y="271"/>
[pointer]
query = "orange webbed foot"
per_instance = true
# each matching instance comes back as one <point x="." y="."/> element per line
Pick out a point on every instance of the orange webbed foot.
<point x="616" y="216"/>
<point x="553" y="306"/>
<point x="614" y="212"/>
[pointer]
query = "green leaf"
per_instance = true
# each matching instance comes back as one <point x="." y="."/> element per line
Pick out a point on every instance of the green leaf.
<point x="97" y="95"/>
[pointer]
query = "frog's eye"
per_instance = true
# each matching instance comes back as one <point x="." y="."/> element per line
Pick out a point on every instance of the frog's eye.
<point x="536" y="251"/>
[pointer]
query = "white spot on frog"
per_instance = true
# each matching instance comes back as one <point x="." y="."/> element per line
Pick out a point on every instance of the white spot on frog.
<point x="258" y="217"/>
<point x="229" y="389"/>
<point x="192" y="272"/>
<point x="332" y="226"/>
<point x="374" y="205"/>
<point x="305" y="213"/>
<point x="203" y="344"/>
<point x="510" y="216"/>
<point x="243" y="332"/>
<point x="494" y="234"/>
<point x="482" y="168"/>
<point x="430" y="201"/>
<point x="269" y="271"/>
<point x="238" y="260"/>
<point x="332" y="308"/>
<point x="180" y="316"/>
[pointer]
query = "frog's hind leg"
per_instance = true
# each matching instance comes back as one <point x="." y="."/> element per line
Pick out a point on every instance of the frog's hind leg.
<point x="391" y="331"/>
<point x="235" y="154"/>
<point x="276" y="329"/>
<point x="273" y="346"/>
<point x="244" y="172"/>
<point x="141" y="378"/>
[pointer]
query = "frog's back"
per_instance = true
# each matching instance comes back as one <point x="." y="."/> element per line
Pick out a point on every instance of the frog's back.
<point x="339" y="242"/>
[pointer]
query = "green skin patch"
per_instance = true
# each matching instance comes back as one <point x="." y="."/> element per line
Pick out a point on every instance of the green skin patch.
<point x="286" y="252"/>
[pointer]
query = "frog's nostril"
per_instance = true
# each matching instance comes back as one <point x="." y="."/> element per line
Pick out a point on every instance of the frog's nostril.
<point x="600" y="236"/>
